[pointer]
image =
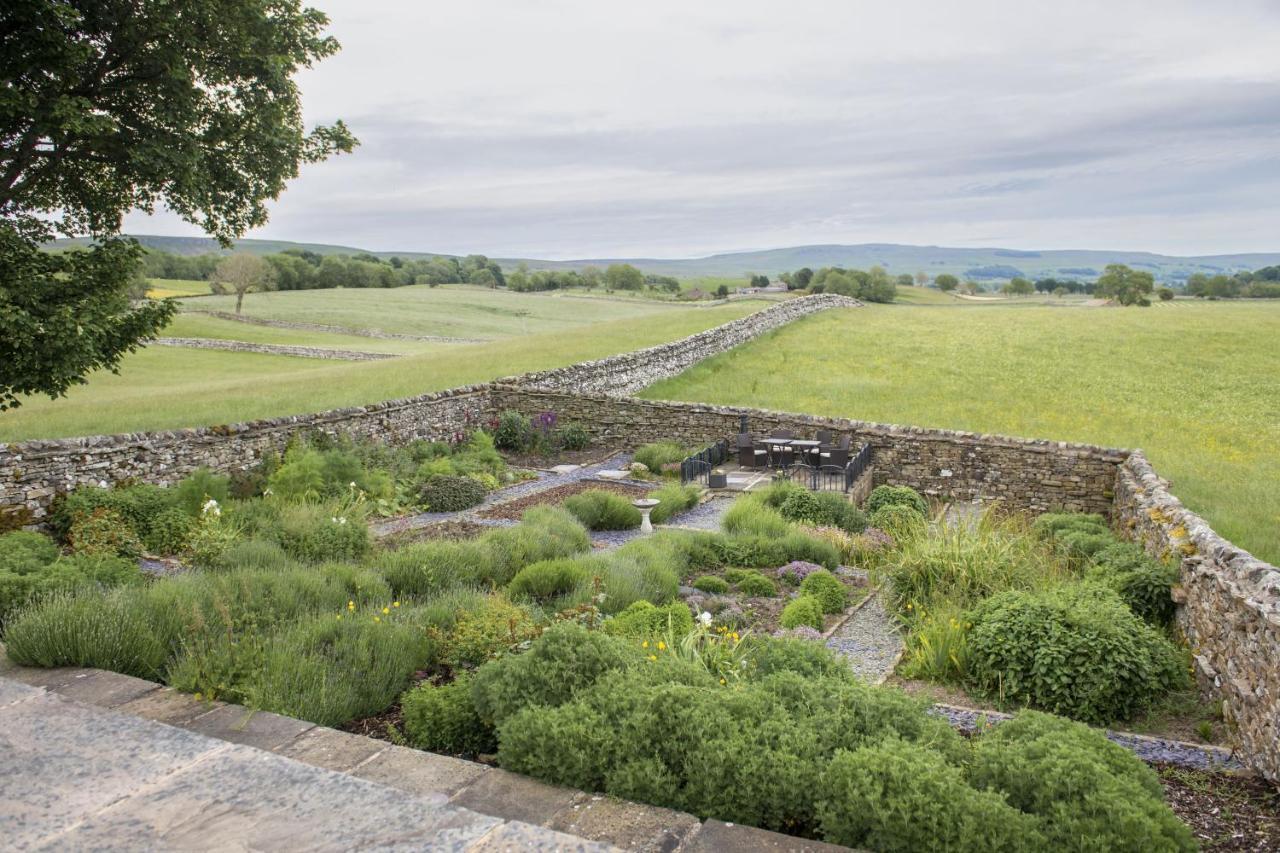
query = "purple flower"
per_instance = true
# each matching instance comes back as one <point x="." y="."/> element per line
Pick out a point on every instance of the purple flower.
<point x="799" y="569"/>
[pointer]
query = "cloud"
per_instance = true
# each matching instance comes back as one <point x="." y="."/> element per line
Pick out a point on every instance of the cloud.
<point x="573" y="129"/>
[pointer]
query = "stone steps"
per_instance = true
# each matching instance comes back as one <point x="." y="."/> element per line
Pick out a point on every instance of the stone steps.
<point x="103" y="760"/>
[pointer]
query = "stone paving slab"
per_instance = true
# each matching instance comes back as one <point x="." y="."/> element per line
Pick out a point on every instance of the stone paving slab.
<point x="515" y="797"/>
<point x="13" y="691"/>
<point x="63" y="760"/>
<point x="106" y="689"/>
<point x="423" y="773"/>
<point x="632" y="826"/>
<point x="50" y="679"/>
<point x="719" y="837"/>
<point x="512" y="837"/>
<point x="331" y="749"/>
<point x="251" y="728"/>
<point x="170" y="706"/>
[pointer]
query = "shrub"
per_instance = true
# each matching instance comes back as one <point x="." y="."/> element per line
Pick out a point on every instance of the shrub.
<point x="1081" y="546"/>
<point x="659" y="453"/>
<point x="882" y="496"/>
<point x="314" y="533"/>
<point x="901" y="521"/>
<point x="448" y="493"/>
<point x="82" y="628"/>
<point x="201" y="485"/>
<point x="1078" y="784"/>
<point x="797" y="570"/>
<point x="261" y="554"/>
<point x="1050" y="524"/>
<point x="104" y="531"/>
<point x="550" y="581"/>
<point x="599" y="509"/>
<point x="488" y="633"/>
<point x="22" y="551"/>
<point x="896" y="796"/>
<point x="754" y="517"/>
<point x="573" y="437"/>
<point x="643" y="619"/>
<point x="805" y="610"/>
<point x="169" y="532"/>
<point x="828" y="589"/>
<point x="672" y="499"/>
<point x="639" y="571"/>
<point x="1142" y="583"/>
<point x="1075" y="650"/>
<point x="712" y="584"/>
<point x="513" y="432"/>
<point x="821" y="509"/>
<point x="757" y="585"/>
<point x="804" y="658"/>
<point x="563" y="660"/>
<point x="29" y="573"/>
<point x="444" y="719"/>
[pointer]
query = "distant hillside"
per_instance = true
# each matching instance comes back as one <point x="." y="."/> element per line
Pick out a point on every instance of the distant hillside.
<point x="982" y="264"/>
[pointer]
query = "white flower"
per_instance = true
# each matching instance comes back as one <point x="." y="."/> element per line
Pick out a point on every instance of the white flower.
<point x="705" y="618"/>
<point x="102" y="484"/>
<point x="352" y="484"/>
<point x="338" y="519"/>
<point x="210" y="507"/>
<point x="267" y="491"/>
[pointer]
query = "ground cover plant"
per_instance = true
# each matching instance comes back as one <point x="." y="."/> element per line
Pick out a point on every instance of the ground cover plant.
<point x="1184" y="383"/>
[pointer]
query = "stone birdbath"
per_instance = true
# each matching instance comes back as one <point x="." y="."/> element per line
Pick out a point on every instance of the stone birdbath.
<point x="645" y="505"/>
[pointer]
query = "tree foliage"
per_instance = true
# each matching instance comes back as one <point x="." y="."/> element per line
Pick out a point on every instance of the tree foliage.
<point x="113" y="106"/>
<point x="1125" y="285"/>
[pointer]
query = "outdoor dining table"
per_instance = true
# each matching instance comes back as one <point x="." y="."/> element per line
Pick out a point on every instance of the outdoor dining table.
<point x="799" y="446"/>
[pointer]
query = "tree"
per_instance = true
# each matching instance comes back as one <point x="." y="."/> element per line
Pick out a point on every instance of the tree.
<point x="623" y="277"/>
<point x="1019" y="286"/>
<point x="758" y="280"/>
<point x="722" y="292"/>
<point x="802" y="278"/>
<point x="1060" y="291"/>
<point x="243" y="273"/>
<point x="970" y="287"/>
<point x="947" y="282"/>
<point x="906" y="280"/>
<point x="114" y="106"/>
<point x="1124" y="285"/>
<point x="1165" y="294"/>
<point x="591" y="277"/>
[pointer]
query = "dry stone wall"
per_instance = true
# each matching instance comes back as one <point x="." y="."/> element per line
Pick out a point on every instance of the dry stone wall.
<point x="1229" y="608"/>
<point x="1026" y="474"/>
<point x="631" y="371"/>
<point x="275" y="349"/>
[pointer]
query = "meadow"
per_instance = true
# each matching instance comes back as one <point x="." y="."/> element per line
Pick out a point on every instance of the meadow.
<point x="1195" y="385"/>
<point x="167" y="387"/>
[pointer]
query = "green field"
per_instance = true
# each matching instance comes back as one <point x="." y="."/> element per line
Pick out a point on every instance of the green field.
<point x="193" y="325"/>
<point x="449" y="310"/>
<point x="1197" y="386"/>
<point x="179" y="287"/>
<point x="168" y="387"/>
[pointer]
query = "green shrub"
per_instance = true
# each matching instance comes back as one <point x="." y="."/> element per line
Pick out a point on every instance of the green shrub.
<point x="88" y="629"/>
<point x="544" y="533"/>
<point x="901" y="521"/>
<point x="712" y="584"/>
<point x="821" y="509"/>
<point x="672" y="499"/>
<point x="33" y="580"/>
<point x="805" y="658"/>
<point x="21" y="551"/>
<point x="448" y="493"/>
<point x="882" y="496"/>
<point x="256" y="554"/>
<point x="753" y="517"/>
<point x="599" y="509"/>
<point x="104" y="531"/>
<point x="1081" y="546"/>
<point x="428" y="568"/>
<point x="643" y="619"/>
<point x="444" y="719"/>
<point x="314" y="533"/>
<point x="1087" y="792"/>
<point x="573" y="437"/>
<point x="1075" y="650"/>
<point x="565" y="659"/>
<point x="896" y="796"/>
<point x="638" y="573"/>
<point x="200" y="486"/>
<point x="550" y="581"/>
<point x="1051" y="524"/>
<point x="653" y="456"/>
<point x="756" y="585"/>
<point x="1144" y="584"/>
<point x="828" y="589"/>
<point x="488" y="633"/>
<point x="513" y="432"/>
<point x="169" y="532"/>
<point x="805" y="610"/>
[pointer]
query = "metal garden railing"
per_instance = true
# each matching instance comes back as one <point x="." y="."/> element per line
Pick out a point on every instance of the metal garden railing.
<point x="697" y="468"/>
<point x="857" y="465"/>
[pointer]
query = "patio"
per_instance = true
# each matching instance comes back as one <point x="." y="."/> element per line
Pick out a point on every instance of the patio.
<point x="822" y="463"/>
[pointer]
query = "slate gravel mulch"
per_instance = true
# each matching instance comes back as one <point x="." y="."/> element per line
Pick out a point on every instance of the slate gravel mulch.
<point x="1227" y="812"/>
<point x="869" y="640"/>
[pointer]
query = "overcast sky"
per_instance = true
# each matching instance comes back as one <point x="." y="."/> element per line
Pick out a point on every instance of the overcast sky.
<point x="563" y="129"/>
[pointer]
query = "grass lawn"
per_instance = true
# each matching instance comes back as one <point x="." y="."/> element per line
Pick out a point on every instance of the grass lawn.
<point x="449" y="310"/>
<point x="169" y="387"/>
<point x="1197" y="386"/>
<point x="193" y="325"/>
<point x="165" y="287"/>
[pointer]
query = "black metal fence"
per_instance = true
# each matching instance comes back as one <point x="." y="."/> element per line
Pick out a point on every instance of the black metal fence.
<point x="697" y="468"/>
<point x="857" y="465"/>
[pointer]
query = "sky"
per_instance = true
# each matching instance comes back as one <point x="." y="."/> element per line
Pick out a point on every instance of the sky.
<point x="565" y="129"/>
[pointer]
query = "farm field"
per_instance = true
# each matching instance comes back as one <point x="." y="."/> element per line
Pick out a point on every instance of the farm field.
<point x="194" y="325"/>
<point x="162" y="288"/>
<point x="169" y="387"/>
<point x="1195" y="385"/>
<point x="449" y="310"/>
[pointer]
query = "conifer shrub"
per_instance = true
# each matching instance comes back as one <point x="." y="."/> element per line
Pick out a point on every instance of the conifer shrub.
<point x="756" y="585"/>
<point x="883" y="496"/>
<point x="489" y="632"/>
<point x="548" y="582"/>
<point x="828" y="589"/>
<point x="599" y="509"/>
<point x="711" y="583"/>
<point x="444" y="719"/>
<point x="805" y="610"/>
<point x="643" y="619"/>
<point x="451" y="493"/>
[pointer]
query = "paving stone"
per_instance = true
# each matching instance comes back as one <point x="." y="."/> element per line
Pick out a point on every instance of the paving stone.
<point x="6" y="665"/>
<point x="565" y="469"/>
<point x="516" y="836"/>
<point x="331" y="749"/>
<point x="719" y="837"/>
<point x="16" y="691"/>
<point x="106" y="689"/>
<point x="170" y="706"/>
<point x="423" y="773"/>
<point x="514" y="797"/>
<point x="50" y="679"/>
<point x="611" y="474"/>
<point x="64" y="761"/>
<point x="630" y="826"/>
<point x="240" y="798"/>
<point x="252" y="728"/>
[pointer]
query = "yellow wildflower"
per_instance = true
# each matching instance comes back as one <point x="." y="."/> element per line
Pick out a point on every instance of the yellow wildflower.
<point x="395" y="604"/>
<point x="377" y="619"/>
<point x="386" y="610"/>
<point x="653" y="657"/>
<point x="662" y="646"/>
<point x="645" y="644"/>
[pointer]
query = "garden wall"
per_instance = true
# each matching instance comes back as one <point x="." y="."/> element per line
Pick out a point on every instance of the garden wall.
<point x="1229" y="608"/>
<point x="33" y="472"/>
<point x="1026" y="474"/>
<point x="629" y="372"/>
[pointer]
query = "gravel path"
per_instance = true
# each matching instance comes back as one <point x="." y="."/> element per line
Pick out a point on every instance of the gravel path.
<point x="869" y="640"/>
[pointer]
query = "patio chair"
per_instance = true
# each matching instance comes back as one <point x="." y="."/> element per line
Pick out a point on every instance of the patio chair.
<point x="780" y="455"/>
<point x="824" y="436"/>
<point x="782" y="433"/>
<point x="837" y="454"/>
<point x="750" y="454"/>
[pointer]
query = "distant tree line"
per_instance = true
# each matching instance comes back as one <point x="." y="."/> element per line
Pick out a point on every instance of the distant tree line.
<point x="873" y="285"/>
<point x="1260" y="284"/>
